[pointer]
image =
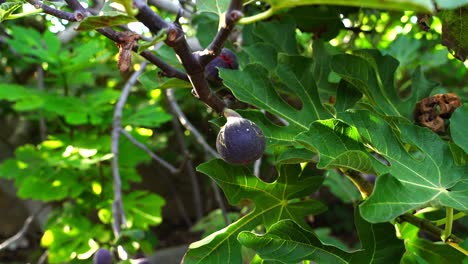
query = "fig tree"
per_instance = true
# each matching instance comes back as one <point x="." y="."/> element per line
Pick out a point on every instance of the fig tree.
<point x="227" y="60"/>
<point x="240" y="141"/>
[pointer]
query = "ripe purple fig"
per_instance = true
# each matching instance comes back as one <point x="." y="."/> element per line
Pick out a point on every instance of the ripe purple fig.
<point x="240" y="141"/>
<point x="102" y="256"/>
<point x="227" y="60"/>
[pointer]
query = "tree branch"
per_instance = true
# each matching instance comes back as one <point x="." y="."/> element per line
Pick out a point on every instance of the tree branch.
<point x="227" y="23"/>
<point x="27" y="223"/>
<point x="149" y="18"/>
<point x="167" y="69"/>
<point x="427" y="226"/>
<point x="162" y="162"/>
<point x="81" y="12"/>
<point x="188" y="166"/>
<point x="196" y="72"/>
<point x="176" y="39"/>
<point x="76" y="5"/>
<point x="54" y="12"/>
<point x="169" y="167"/>
<point x="118" y="213"/>
<point x="40" y="87"/>
<point x="186" y="123"/>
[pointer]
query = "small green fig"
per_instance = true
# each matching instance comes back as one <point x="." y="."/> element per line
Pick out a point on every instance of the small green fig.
<point x="240" y="141"/>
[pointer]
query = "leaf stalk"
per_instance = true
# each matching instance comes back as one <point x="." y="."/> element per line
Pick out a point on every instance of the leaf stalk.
<point x="448" y="224"/>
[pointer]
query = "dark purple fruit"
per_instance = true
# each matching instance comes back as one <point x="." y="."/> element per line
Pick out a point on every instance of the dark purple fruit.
<point x="227" y="60"/>
<point x="240" y="141"/>
<point x="102" y="256"/>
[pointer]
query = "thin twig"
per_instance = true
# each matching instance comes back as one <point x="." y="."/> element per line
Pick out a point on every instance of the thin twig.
<point x="167" y="69"/>
<point x="22" y="232"/>
<point x="186" y="123"/>
<point x="40" y="87"/>
<point x="43" y="258"/>
<point x="117" y="207"/>
<point x="52" y="11"/>
<point x="76" y="5"/>
<point x="162" y="162"/>
<point x="226" y="25"/>
<point x="169" y="167"/>
<point x="188" y="166"/>
<point x="148" y="17"/>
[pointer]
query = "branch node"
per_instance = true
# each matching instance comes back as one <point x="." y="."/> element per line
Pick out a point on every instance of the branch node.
<point x="78" y="15"/>
<point x="235" y="15"/>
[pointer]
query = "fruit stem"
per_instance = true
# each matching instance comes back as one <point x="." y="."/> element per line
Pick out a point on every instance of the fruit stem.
<point x="230" y="113"/>
<point x="258" y="17"/>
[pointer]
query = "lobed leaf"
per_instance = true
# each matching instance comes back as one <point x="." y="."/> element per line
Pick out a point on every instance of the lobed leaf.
<point x="426" y="175"/>
<point x="273" y="202"/>
<point x="287" y="242"/>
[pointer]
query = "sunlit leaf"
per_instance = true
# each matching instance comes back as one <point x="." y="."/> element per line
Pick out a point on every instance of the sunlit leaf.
<point x="273" y="202"/>
<point x="426" y="175"/>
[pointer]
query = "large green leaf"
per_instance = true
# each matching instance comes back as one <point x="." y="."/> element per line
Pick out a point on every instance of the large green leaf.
<point x="274" y="134"/>
<point x="322" y="54"/>
<point x="273" y="202"/>
<point x="296" y="73"/>
<point x="284" y="42"/>
<point x="276" y="74"/>
<point x="373" y="75"/>
<point x="213" y="6"/>
<point x="338" y="146"/>
<point x="425" y="251"/>
<point x="425" y="175"/>
<point x="458" y="128"/>
<point x="341" y="187"/>
<point x="287" y="242"/>
<point x="252" y="85"/>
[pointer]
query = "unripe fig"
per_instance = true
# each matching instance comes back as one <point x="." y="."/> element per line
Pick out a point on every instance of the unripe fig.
<point x="102" y="256"/>
<point x="227" y="60"/>
<point x="240" y="141"/>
